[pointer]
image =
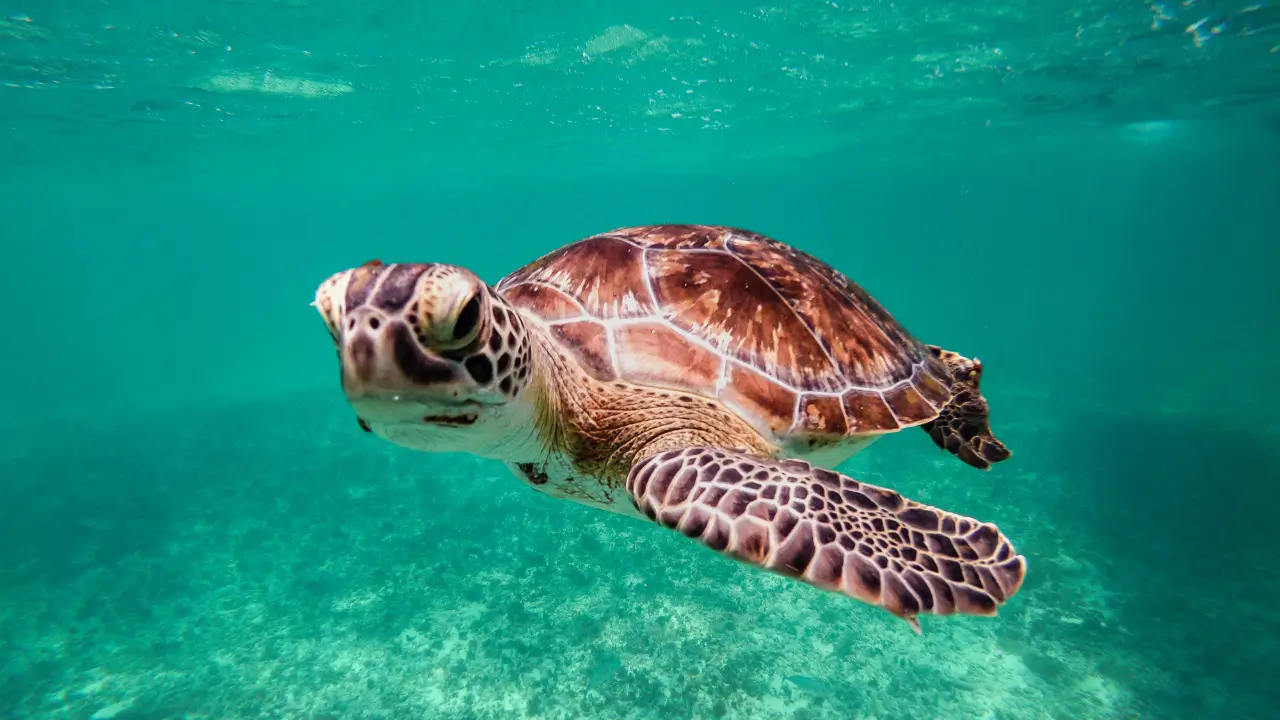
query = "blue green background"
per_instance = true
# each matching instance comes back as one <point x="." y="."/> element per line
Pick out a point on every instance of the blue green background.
<point x="1082" y="195"/>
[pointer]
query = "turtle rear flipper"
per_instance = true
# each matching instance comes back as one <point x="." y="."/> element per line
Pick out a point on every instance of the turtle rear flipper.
<point x="830" y="531"/>
<point x="963" y="427"/>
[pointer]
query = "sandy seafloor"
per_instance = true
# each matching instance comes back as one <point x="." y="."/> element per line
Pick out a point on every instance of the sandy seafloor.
<point x="270" y="560"/>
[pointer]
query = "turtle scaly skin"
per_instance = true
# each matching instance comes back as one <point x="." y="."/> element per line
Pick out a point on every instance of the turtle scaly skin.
<point x="702" y="377"/>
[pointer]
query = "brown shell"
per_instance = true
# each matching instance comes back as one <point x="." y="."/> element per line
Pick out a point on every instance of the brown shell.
<point x="779" y="336"/>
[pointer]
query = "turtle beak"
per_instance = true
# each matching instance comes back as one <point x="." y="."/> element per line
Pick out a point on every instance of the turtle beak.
<point x="381" y="357"/>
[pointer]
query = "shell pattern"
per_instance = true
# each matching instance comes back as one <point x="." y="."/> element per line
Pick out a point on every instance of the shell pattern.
<point x="778" y="336"/>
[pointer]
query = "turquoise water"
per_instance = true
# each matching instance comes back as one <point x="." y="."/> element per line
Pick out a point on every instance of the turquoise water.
<point x="1083" y="195"/>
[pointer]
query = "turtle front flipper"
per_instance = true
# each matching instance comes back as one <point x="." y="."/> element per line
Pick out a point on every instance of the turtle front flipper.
<point x="830" y="531"/>
<point x="963" y="427"/>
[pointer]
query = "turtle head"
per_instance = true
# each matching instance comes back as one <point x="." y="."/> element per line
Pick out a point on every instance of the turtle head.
<point x="428" y="353"/>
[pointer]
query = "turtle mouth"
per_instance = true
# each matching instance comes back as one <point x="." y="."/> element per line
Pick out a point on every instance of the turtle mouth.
<point x="405" y="408"/>
<point x="462" y="413"/>
<point x="451" y="420"/>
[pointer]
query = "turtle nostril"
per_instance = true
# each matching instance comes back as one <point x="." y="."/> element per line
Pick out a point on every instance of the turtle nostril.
<point x="374" y="323"/>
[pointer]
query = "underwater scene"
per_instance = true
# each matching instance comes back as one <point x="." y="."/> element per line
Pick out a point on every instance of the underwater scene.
<point x="279" y="441"/>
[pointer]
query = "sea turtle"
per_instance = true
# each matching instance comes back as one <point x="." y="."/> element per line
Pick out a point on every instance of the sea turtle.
<point x="706" y="378"/>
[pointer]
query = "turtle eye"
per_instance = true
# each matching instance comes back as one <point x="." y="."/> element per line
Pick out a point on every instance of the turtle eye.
<point x="468" y="319"/>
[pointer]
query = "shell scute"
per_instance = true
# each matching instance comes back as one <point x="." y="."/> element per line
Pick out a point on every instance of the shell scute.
<point x="589" y="342"/>
<point x="821" y="415"/>
<point x="674" y="237"/>
<point x="728" y="304"/>
<point x="546" y="301"/>
<point x="934" y="382"/>
<point x="663" y="357"/>
<point x="604" y="275"/>
<point x="764" y="402"/>
<point x="907" y="402"/>
<point x="869" y="412"/>
<point x="863" y="342"/>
